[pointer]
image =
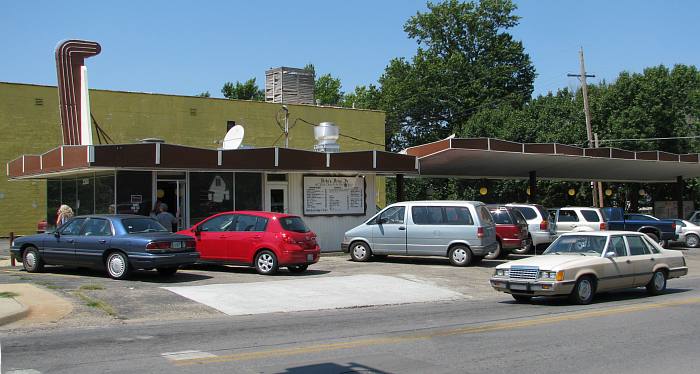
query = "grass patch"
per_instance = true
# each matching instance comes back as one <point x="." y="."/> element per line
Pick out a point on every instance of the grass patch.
<point x="8" y="294"/>
<point x="91" y="287"/>
<point x="97" y="304"/>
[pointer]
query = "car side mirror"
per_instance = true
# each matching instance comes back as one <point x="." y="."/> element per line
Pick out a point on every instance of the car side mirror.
<point x="198" y="230"/>
<point x="57" y="234"/>
<point x="610" y="254"/>
<point x="382" y="220"/>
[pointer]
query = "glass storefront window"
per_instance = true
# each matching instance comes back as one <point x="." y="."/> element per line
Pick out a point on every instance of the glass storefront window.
<point x="86" y="196"/>
<point x="210" y="193"/>
<point x="134" y="192"/>
<point x="53" y="200"/>
<point x="248" y="191"/>
<point x="104" y="194"/>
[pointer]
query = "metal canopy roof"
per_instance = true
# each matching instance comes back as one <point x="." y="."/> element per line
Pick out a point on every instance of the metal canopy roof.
<point x="77" y="159"/>
<point x="477" y="158"/>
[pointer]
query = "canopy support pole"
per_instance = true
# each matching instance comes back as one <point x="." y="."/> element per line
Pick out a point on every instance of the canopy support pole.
<point x="400" y="189"/>
<point x="533" y="187"/>
<point x="680" y="186"/>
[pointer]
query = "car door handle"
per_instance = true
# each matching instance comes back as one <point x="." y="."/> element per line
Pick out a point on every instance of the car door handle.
<point x="257" y="236"/>
<point x="222" y="237"/>
<point x="653" y="259"/>
<point x="70" y="240"/>
<point x="629" y="261"/>
<point x="102" y="241"/>
<point x="402" y="228"/>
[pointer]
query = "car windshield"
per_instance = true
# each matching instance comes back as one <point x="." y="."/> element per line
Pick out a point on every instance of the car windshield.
<point x="141" y="225"/>
<point x="295" y="224"/>
<point x="592" y="245"/>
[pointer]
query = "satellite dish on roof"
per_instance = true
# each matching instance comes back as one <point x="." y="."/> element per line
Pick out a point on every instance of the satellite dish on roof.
<point x="234" y="137"/>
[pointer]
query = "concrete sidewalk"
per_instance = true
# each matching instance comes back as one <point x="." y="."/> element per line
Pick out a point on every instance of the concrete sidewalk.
<point x="11" y="310"/>
<point x="32" y="305"/>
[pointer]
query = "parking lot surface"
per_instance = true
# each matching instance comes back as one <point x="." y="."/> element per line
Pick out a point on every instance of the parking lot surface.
<point x="98" y="300"/>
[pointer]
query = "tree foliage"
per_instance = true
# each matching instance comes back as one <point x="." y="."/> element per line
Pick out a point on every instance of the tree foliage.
<point x="465" y="60"/>
<point x="248" y="90"/>
<point x="364" y="97"/>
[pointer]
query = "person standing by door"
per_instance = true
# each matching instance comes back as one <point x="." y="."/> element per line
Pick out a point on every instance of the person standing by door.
<point x="166" y="218"/>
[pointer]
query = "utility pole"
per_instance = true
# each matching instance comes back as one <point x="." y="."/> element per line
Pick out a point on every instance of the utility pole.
<point x="286" y="126"/>
<point x="587" y="112"/>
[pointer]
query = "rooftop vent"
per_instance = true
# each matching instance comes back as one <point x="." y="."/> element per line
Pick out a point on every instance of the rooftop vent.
<point x="327" y="134"/>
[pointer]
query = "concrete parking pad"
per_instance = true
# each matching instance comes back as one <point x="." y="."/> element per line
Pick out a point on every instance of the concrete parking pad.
<point x="313" y="294"/>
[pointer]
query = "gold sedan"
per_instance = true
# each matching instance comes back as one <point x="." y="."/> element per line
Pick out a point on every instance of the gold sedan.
<point x="583" y="263"/>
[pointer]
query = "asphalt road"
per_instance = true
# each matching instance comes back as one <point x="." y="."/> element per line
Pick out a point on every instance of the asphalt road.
<point x="623" y="332"/>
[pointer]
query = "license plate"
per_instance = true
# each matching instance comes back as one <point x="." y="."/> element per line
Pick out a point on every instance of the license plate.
<point x="518" y="286"/>
<point x="309" y="257"/>
<point x="176" y="245"/>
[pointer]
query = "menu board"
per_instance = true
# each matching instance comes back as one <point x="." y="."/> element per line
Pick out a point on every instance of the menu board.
<point x="334" y="195"/>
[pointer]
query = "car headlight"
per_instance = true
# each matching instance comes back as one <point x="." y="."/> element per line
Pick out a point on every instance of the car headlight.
<point x="502" y="272"/>
<point x="549" y="275"/>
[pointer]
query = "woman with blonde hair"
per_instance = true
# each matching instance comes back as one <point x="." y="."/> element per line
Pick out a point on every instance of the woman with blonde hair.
<point x="64" y="214"/>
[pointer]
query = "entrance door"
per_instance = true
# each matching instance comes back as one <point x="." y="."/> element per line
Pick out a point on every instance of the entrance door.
<point x="276" y="198"/>
<point x="172" y="193"/>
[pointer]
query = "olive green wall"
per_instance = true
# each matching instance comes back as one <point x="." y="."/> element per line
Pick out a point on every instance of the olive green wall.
<point x="29" y="128"/>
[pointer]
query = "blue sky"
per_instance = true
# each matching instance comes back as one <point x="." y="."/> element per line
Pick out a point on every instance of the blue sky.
<point x="187" y="47"/>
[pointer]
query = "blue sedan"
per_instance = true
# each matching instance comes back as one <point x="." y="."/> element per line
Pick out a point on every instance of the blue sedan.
<point x="119" y="243"/>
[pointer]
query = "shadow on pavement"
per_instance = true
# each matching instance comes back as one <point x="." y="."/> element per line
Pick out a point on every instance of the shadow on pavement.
<point x="249" y="270"/>
<point x="332" y="368"/>
<point x="137" y="275"/>
<point x="601" y="298"/>
<point x="411" y="260"/>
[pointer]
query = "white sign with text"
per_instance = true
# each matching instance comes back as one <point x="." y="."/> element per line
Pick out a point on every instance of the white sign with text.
<point x="334" y="195"/>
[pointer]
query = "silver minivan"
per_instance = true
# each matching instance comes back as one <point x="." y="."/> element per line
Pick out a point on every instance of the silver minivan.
<point x="462" y="231"/>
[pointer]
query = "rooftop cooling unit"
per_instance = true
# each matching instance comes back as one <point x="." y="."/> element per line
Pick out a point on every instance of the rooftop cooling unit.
<point x="327" y="134"/>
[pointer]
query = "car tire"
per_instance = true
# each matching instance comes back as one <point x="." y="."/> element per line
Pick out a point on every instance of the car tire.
<point x="167" y="272"/>
<point x="32" y="261"/>
<point x="360" y="252"/>
<point x="657" y="284"/>
<point x="460" y="255"/>
<point x="692" y="241"/>
<point x="297" y="268"/>
<point x="527" y="248"/>
<point x="118" y="266"/>
<point x="496" y="253"/>
<point x="522" y="298"/>
<point x="266" y="262"/>
<point x="584" y="291"/>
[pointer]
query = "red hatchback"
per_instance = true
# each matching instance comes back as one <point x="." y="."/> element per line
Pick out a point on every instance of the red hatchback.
<point x="511" y="230"/>
<point x="265" y="240"/>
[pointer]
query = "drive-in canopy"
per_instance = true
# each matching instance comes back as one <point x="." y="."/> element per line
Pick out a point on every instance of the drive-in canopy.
<point x="499" y="159"/>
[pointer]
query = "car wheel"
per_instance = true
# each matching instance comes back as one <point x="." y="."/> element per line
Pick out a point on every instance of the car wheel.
<point x="496" y="253"/>
<point x="692" y="240"/>
<point x="266" y="262"/>
<point x="657" y="284"/>
<point x="522" y="298"/>
<point x="117" y="265"/>
<point x="583" y="291"/>
<point x="360" y="252"/>
<point x="297" y="268"/>
<point x="167" y="271"/>
<point x="460" y="255"/>
<point x="527" y="248"/>
<point x="31" y="260"/>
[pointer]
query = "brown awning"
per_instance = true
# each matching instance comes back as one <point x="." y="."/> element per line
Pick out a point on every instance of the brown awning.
<point x="489" y="158"/>
<point x="156" y="156"/>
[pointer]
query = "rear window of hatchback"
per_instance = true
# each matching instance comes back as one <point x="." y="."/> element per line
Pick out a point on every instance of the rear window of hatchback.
<point x="294" y="224"/>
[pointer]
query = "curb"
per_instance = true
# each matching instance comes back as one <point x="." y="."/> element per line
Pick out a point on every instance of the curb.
<point x="22" y="312"/>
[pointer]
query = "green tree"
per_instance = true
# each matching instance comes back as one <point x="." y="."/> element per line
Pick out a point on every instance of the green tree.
<point x="466" y="60"/>
<point x="327" y="90"/>
<point x="243" y="91"/>
<point x="204" y="94"/>
<point x="364" y="97"/>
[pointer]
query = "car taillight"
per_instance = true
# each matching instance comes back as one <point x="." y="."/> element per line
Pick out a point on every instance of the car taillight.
<point x="603" y="226"/>
<point x="288" y="239"/>
<point x="544" y="225"/>
<point x="158" y="245"/>
<point x="480" y="232"/>
<point x="673" y="226"/>
<point x="191" y="244"/>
